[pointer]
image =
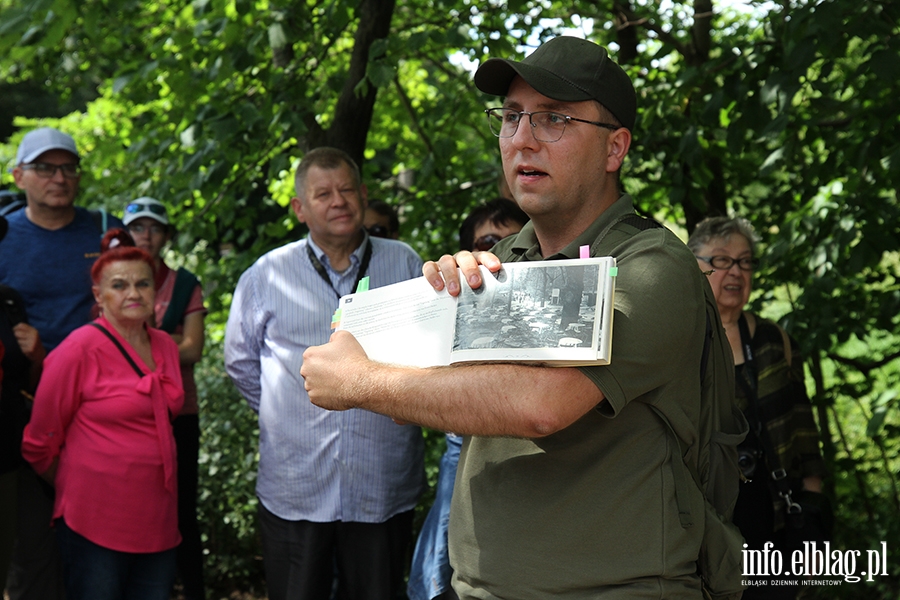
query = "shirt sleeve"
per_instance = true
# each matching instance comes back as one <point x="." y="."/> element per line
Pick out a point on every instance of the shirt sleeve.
<point x="659" y="314"/>
<point x="243" y="339"/>
<point x="56" y="400"/>
<point x="196" y="302"/>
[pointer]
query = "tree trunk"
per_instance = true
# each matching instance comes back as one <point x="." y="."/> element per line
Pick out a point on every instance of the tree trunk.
<point x="626" y="32"/>
<point x="353" y="112"/>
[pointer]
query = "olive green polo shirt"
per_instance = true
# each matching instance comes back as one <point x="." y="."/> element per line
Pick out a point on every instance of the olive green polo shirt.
<point x="583" y="512"/>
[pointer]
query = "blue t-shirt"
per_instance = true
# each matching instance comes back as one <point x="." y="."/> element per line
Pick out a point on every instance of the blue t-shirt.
<point x="52" y="271"/>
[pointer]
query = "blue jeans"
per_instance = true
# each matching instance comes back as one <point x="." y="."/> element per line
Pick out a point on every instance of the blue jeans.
<point x="430" y="573"/>
<point x="92" y="572"/>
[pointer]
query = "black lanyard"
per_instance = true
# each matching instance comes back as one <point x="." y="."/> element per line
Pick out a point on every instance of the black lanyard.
<point x="747" y="377"/>
<point x="320" y="268"/>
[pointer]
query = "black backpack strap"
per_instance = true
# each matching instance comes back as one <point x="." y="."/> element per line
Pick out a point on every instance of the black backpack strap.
<point x="642" y="224"/>
<point x="707" y="343"/>
<point x="101" y="219"/>
<point x="634" y="225"/>
<point x="11" y="206"/>
<point x="639" y="222"/>
<point x="185" y="282"/>
<point x="130" y="360"/>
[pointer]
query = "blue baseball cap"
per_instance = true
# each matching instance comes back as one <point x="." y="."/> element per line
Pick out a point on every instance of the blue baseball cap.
<point x="43" y="140"/>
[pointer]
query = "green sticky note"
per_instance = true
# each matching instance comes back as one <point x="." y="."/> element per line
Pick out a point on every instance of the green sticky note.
<point x="613" y="271"/>
<point x="363" y="285"/>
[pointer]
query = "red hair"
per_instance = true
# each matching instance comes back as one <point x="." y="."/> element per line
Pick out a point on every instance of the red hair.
<point x="117" y="246"/>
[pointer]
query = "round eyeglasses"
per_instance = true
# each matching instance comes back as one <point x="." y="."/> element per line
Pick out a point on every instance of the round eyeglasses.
<point x="546" y="126"/>
<point x="723" y="263"/>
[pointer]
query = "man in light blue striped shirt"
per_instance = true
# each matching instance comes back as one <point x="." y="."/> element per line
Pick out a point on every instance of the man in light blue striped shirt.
<point x="334" y="487"/>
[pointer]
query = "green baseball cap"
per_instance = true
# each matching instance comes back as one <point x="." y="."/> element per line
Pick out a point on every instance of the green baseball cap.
<point x="568" y="69"/>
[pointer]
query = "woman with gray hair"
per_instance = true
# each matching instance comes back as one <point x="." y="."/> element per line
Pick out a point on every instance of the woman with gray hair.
<point x="780" y="460"/>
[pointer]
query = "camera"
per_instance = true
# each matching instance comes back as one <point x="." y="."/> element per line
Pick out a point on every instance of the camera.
<point x="748" y="460"/>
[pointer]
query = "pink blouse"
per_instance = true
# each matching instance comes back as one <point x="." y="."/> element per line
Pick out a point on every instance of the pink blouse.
<point x="116" y="480"/>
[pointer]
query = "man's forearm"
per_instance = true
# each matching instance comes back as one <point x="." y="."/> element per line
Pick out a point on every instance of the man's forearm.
<point x="482" y="399"/>
<point x="485" y="399"/>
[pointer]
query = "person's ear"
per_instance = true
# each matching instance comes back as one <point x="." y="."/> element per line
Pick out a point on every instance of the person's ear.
<point x="17" y="174"/>
<point x="617" y="144"/>
<point x="297" y="206"/>
<point x="96" y="291"/>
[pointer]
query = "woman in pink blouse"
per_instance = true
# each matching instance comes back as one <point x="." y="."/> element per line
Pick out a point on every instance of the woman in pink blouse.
<point x="180" y="313"/>
<point x="100" y="431"/>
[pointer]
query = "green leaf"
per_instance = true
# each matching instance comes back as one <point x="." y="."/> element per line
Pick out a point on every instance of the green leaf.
<point x="880" y="409"/>
<point x="380" y="74"/>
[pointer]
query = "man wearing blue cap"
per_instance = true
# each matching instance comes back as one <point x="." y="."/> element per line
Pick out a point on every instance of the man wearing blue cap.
<point x="567" y="479"/>
<point x="51" y="243"/>
<point x="46" y="256"/>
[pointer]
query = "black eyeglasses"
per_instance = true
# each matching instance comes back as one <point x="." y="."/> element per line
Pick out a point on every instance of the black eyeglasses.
<point x="723" y="263"/>
<point x="546" y="126"/>
<point x="47" y="170"/>
<point x="379" y="231"/>
<point x="486" y="242"/>
<point x="136" y="207"/>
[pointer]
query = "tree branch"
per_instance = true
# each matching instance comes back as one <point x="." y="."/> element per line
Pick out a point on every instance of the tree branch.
<point x="628" y="18"/>
<point x="862" y="366"/>
<point x="404" y="99"/>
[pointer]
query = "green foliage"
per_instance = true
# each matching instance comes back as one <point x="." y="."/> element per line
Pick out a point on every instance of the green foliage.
<point x="227" y="466"/>
<point x="785" y="114"/>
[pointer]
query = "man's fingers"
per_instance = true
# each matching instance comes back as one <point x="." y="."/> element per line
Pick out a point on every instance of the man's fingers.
<point x="448" y="267"/>
<point x="489" y="260"/>
<point x="432" y="273"/>
<point x="445" y="272"/>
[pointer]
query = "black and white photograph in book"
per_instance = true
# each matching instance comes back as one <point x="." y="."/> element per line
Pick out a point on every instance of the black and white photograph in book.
<point x="550" y="307"/>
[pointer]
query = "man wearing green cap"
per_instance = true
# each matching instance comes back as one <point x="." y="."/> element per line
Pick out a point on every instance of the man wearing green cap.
<point x="565" y="486"/>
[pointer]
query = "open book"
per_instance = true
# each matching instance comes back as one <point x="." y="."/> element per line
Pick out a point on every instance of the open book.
<point x="555" y="312"/>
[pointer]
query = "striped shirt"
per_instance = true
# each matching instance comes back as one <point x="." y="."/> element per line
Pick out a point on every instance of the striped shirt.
<point x="784" y="408"/>
<point x="317" y="465"/>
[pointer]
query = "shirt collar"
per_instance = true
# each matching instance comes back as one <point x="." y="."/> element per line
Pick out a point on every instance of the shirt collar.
<point x="355" y="258"/>
<point x="526" y="243"/>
